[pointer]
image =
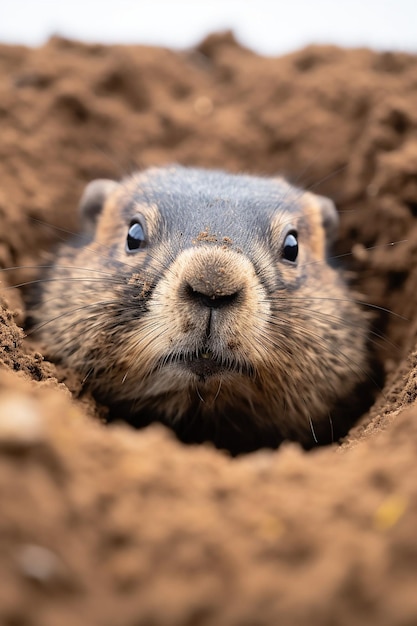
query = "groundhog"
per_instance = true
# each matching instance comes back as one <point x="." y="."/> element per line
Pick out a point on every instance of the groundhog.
<point x="206" y="301"/>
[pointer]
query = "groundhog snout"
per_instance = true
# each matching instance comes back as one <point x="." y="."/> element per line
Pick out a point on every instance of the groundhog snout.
<point x="214" y="280"/>
<point x="211" y="301"/>
<point x="211" y="290"/>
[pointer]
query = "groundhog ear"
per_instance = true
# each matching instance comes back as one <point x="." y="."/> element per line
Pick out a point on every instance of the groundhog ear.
<point x="92" y="201"/>
<point x="329" y="216"/>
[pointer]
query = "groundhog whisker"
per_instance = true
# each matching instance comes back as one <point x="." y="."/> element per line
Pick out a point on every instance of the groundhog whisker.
<point x="346" y="323"/>
<point x="326" y="178"/>
<point x="382" y="338"/>
<point x="81" y="237"/>
<point x="312" y="429"/>
<point x="148" y="337"/>
<point x="218" y="391"/>
<point x="331" y="428"/>
<point x="307" y="167"/>
<point x="68" y="279"/>
<point x="199" y="394"/>
<point x="84" y="380"/>
<point x="366" y="249"/>
<point x="356" y="301"/>
<point x="87" y="290"/>
<point x="102" y="303"/>
<point x="72" y="235"/>
<point x="53" y="266"/>
<point x="294" y="183"/>
<point x="324" y="340"/>
<point x="113" y="278"/>
<point x="54" y="227"/>
<point x="68" y="344"/>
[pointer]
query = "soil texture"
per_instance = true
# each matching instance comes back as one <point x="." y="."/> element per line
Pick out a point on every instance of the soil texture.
<point x="109" y="526"/>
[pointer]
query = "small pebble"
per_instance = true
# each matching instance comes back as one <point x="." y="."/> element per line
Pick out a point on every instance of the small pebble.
<point x="390" y="512"/>
<point x="203" y="105"/>
<point x="38" y="563"/>
<point x="372" y="190"/>
<point x="21" y="424"/>
<point x="360" y="253"/>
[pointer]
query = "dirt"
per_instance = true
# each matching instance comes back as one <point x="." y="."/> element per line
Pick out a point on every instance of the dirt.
<point x="110" y="526"/>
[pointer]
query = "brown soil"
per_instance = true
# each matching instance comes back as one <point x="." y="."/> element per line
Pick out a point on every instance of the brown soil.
<point x="116" y="527"/>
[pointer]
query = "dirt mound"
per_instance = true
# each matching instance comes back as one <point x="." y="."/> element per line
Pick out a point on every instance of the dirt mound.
<point x="111" y="526"/>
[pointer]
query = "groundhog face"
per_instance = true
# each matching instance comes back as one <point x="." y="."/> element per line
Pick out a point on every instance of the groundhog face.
<point x="215" y="301"/>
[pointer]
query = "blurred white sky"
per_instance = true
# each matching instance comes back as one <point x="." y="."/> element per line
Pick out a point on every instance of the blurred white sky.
<point x="268" y="26"/>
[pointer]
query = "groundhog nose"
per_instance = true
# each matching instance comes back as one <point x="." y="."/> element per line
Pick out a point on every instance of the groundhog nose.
<point x="212" y="286"/>
<point x="213" y="300"/>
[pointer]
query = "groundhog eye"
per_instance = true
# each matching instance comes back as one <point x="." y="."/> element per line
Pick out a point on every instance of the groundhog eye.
<point x="290" y="249"/>
<point x="135" y="237"/>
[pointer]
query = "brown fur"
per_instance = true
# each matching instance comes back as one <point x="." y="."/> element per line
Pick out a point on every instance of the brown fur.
<point x="285" y="344"/>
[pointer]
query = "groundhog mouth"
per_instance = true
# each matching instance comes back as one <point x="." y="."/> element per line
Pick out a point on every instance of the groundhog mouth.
<point x="205" y="365"/>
